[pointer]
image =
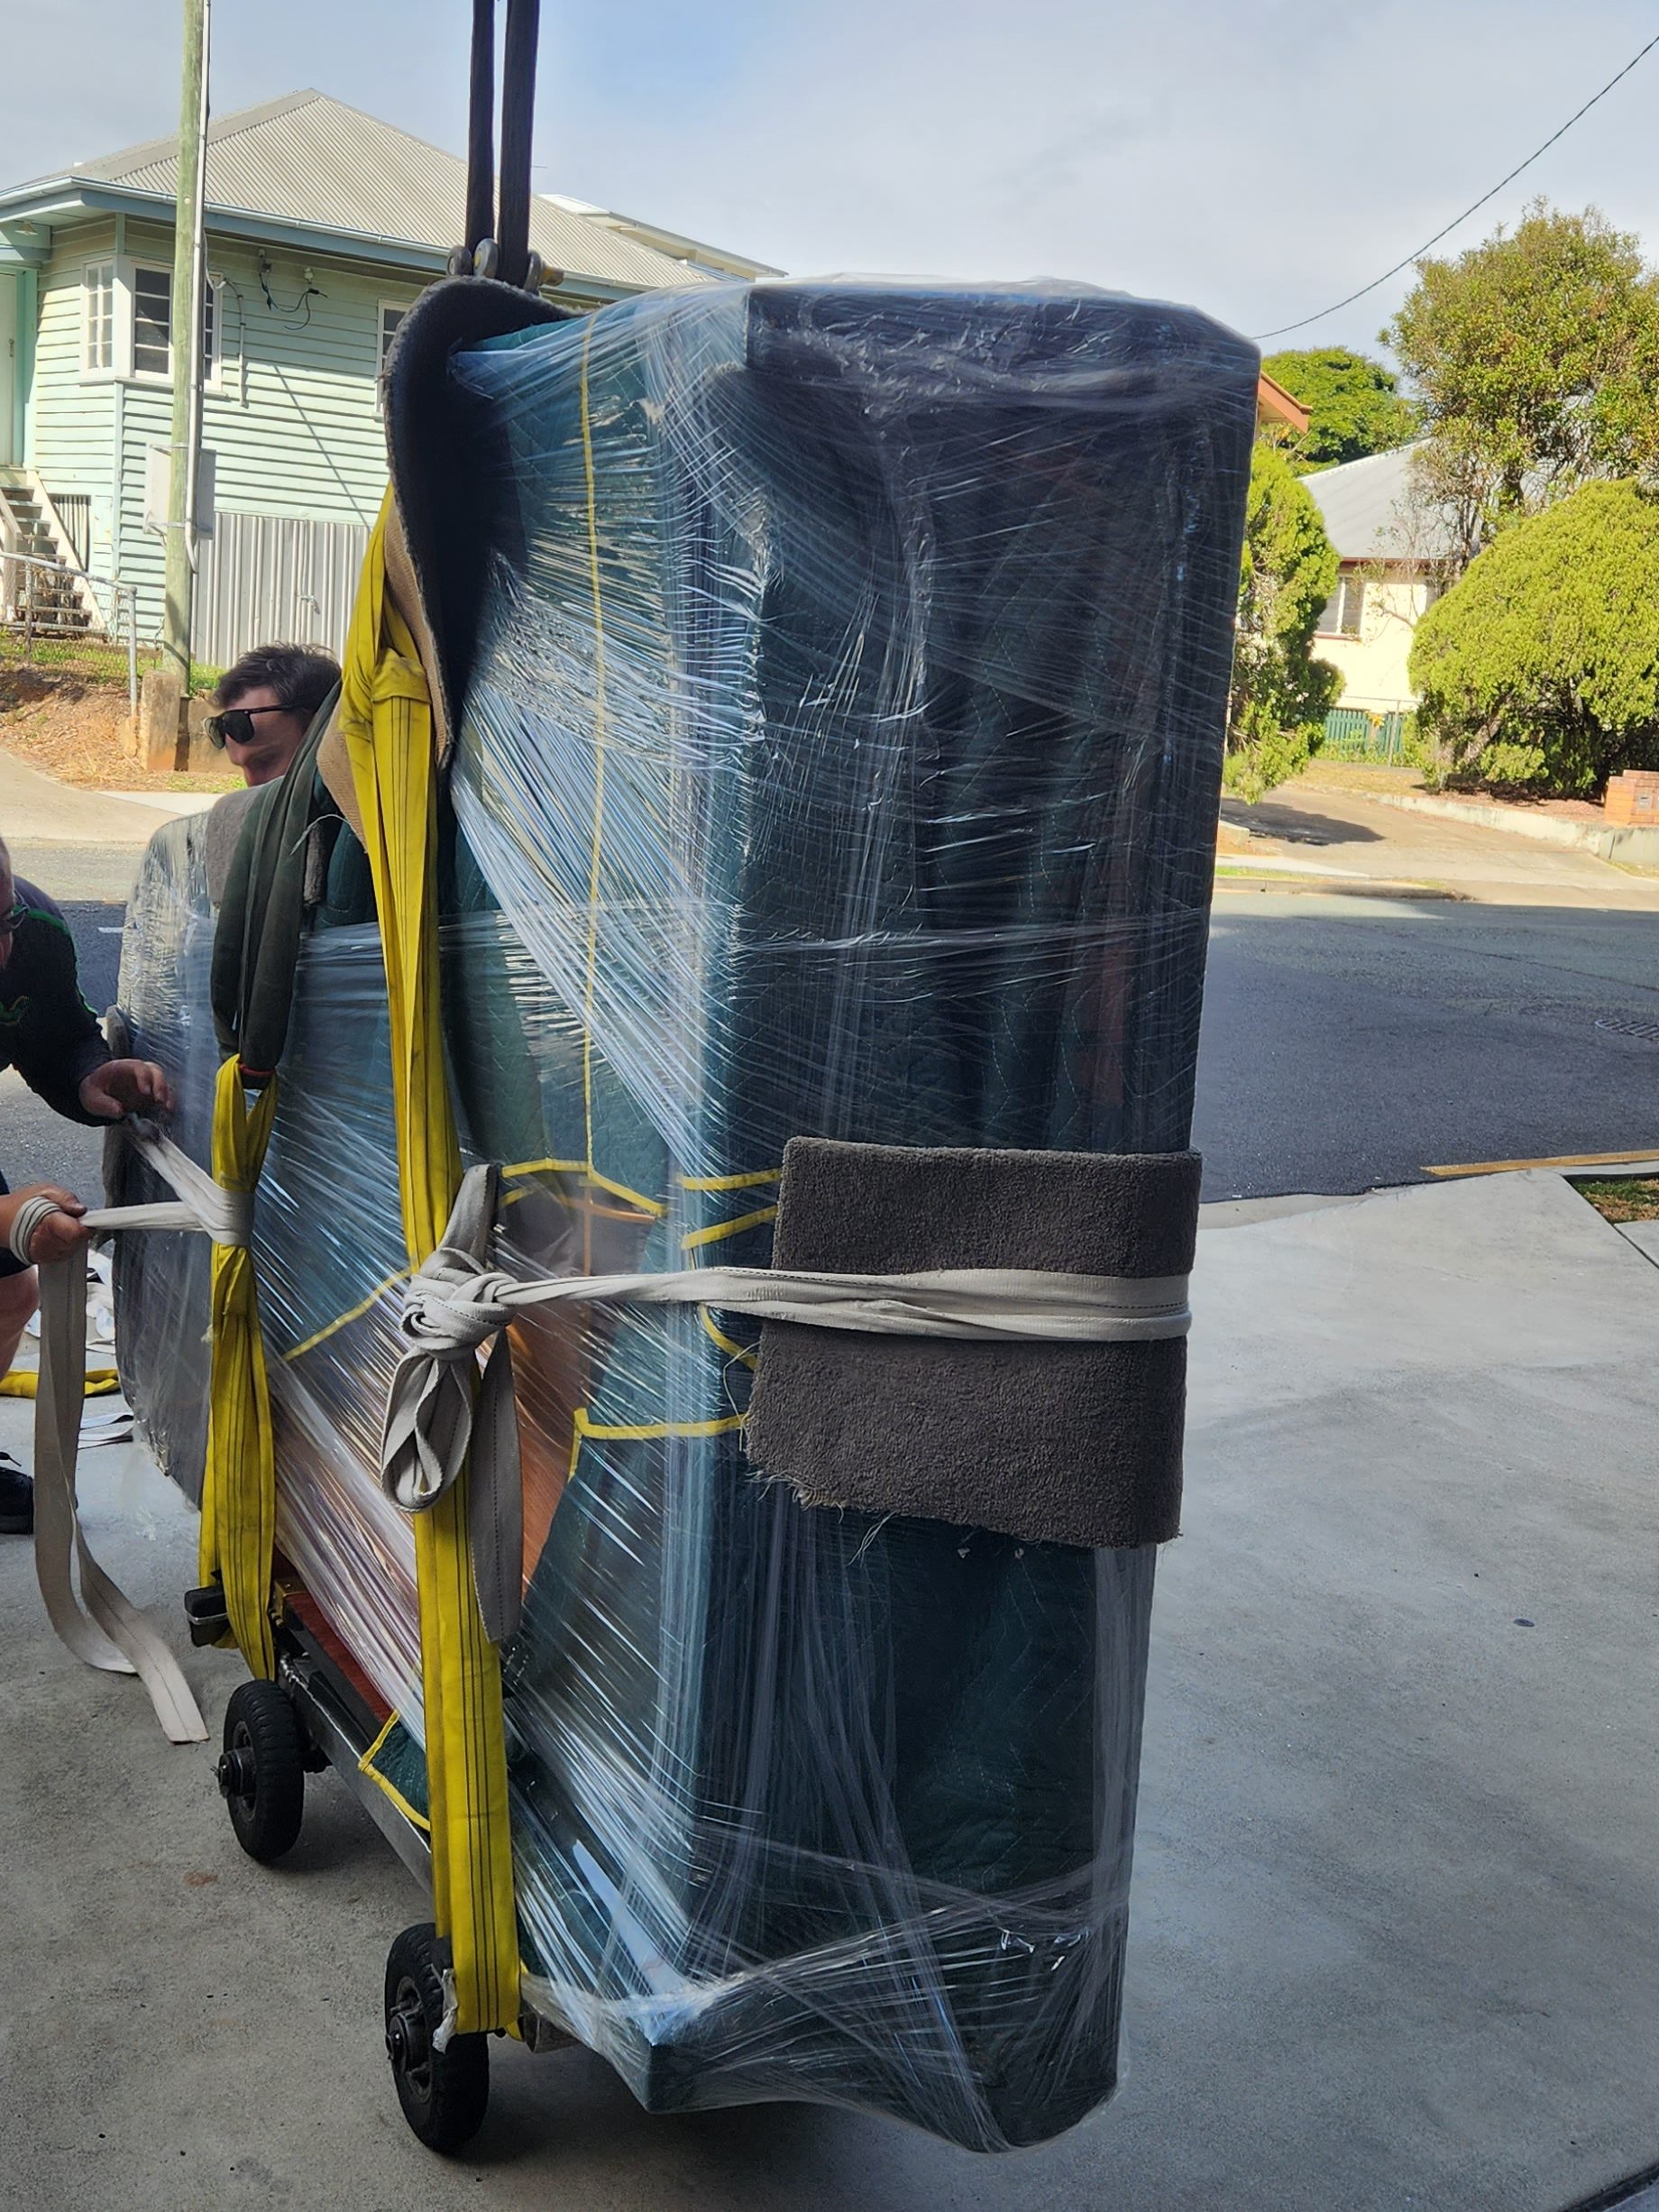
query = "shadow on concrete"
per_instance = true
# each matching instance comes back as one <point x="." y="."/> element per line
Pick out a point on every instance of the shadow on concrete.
<point x="1295" y="825"/>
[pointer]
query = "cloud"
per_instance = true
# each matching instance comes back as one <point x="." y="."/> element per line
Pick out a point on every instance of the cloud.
<point x="1260" y="160"/>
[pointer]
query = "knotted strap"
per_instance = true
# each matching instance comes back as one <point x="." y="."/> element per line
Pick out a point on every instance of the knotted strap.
<point x="456" y="1304"/>
<point x="438" y="1404"/>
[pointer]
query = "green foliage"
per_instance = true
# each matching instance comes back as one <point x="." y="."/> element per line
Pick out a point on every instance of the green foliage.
<point x="1352" y="403"/>
<point x="1539" y="670"/>
<point x="1536" y="357"/>
<point x="1280" y="692"/>
<point x="1417" y="750"/>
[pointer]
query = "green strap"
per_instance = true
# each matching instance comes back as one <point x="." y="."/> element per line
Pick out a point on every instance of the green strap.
<point x="261" y="916"/>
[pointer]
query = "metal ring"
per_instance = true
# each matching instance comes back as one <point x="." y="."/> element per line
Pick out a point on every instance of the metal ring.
<point x="486" y="258"/>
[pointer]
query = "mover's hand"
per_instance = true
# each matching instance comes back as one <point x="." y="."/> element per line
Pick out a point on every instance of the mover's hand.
<point x="58" y="1233"/>
<point x="125" y="1086"/>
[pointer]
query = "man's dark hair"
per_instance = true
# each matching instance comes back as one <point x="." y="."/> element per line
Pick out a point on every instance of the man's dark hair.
<point x="301" y="675"/>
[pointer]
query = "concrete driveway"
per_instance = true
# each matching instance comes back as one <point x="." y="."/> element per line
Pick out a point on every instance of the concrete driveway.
<point x="1320" y="822"/>
<point x="1396" y="1910"/>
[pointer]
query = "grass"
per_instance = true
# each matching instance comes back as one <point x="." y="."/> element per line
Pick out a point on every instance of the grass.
<point x="92" y="660"/>
<point x="78" y="658"/>
<point x="1358" y="776"/>
<point x="181" y="780"/>
<point x="1622" y="1198"/>
<point x="70" y="718"/>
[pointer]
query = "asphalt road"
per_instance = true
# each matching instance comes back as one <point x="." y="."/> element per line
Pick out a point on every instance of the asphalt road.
<point x="1350" y="1042"/>
<point x="1347" y="1041"/>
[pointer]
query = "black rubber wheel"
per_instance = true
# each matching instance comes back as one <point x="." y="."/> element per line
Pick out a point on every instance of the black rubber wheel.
<point x="262" y="1770"/>
<point x="443" y="2093"/>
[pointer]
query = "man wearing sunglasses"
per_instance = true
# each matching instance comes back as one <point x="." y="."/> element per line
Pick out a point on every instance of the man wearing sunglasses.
<point x="265" y="704"/>
<point x="49" y="1033"/>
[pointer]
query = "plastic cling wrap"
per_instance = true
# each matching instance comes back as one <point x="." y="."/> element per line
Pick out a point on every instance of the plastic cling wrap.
<point x="839" y="756"/>
<point x="161" y="1279"/>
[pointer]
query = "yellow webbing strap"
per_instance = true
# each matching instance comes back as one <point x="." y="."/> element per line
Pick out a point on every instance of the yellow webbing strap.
<point x="23" y="1383"/>
<point x="385" y="720"/>
<point x="239" y="1487"/>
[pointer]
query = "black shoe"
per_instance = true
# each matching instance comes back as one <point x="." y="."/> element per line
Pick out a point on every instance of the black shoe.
<point x="16" y="1498"/>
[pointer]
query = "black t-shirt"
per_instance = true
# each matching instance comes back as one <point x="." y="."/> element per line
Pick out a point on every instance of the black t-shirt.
<point x="48" y="1032"/>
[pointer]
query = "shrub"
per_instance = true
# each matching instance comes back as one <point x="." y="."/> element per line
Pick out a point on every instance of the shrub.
<point x="1539" y="670"/>
<point x="1280" y="694"/>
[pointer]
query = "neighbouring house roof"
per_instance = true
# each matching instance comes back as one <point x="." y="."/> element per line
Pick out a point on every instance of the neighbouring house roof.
<point x="1275" y="404"/>
<point x="1373" y="512"/>
<point x="311" y="163"/>
<point x="695" y="253"/>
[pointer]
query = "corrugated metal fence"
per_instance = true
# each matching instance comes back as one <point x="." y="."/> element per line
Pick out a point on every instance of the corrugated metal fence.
<point x="264" y="578"/>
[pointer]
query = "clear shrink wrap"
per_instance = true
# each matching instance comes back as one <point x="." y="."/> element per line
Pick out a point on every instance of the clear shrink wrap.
<point x="839" y="756"/>
<point x="162" y="1279"/>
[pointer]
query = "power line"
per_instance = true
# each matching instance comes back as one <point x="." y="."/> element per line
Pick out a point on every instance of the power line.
<point x="1285" y="328"/>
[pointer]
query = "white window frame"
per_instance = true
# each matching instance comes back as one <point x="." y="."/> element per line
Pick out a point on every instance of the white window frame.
<point x="400" y="307"/>
<point x="213" y="350"/>
<point x="147" y="376"/>
<point x="1350" y="580"/>
<point x="212" y="355"/>
<point x="104" y="265"/>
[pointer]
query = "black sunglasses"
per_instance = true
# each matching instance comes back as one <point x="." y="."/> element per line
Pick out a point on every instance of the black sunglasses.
<point x="238" y="723"/>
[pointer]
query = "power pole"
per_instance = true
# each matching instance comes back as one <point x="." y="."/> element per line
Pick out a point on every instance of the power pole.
<point x="186" y="312"/>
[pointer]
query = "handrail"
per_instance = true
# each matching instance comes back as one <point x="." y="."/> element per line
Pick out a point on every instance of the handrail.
<point x="122" y="596"/>
<point x="67" y="568"/>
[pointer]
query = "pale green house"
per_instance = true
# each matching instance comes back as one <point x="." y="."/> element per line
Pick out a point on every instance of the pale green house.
<point x="322" y="224"/>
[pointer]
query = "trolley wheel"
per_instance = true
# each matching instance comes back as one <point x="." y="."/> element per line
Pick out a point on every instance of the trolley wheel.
<point x="443" y="2093"/>
<point x="262" y="1770"/>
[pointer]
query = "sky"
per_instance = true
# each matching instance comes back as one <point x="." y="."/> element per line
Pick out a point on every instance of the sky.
<point x="1256" y="162"/>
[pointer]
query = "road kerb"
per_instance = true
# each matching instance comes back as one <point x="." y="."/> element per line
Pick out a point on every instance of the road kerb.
<point x="1560" y="1160"/>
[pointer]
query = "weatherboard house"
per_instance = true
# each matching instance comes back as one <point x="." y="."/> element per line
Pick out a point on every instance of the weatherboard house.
<point x="1394" y="550"/>
<point x="322" y="224"/>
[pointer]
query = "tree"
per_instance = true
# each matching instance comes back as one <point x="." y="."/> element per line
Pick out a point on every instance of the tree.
<point x="1280" y="694"/>
<point x="1354" y="403"/>
<point x="1540" y="668"/>
<point x="1536" y="356"/>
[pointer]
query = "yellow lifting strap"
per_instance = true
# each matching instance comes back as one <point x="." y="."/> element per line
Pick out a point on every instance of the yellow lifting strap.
<point x="239" y="1485"/>
<point x="385" y="720"/>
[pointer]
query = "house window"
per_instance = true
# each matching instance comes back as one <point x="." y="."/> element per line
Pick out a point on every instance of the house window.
<point x="391" y="318"/>
<point x="152" y="324"/>
<point x="98" y="318"/>
<point x="1344" y="610"/>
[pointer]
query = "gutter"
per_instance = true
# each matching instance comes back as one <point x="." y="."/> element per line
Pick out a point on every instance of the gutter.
<point x="48" y="203"/>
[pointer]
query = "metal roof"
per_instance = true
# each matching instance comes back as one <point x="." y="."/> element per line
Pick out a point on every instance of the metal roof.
<point x="696" y="252"/>
<point x="310" y="160"/>
<point x="1372" y="513"/>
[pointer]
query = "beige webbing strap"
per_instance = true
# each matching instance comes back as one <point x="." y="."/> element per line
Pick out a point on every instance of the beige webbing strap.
<point x="101" y="1627"/>
<point x="204" y="1205"/>
<point x="438" y="1408"/>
